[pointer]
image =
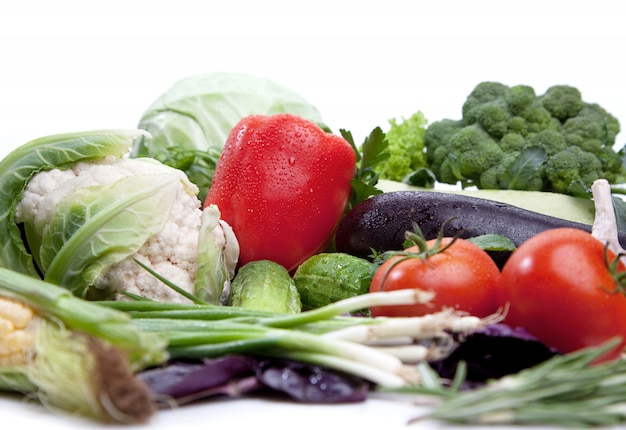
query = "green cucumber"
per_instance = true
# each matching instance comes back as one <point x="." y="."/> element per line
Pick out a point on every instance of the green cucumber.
<point x="266" y="286"/>
<point x="329" y="277"/>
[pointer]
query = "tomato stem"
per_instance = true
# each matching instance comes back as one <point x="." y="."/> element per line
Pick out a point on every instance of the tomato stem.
<point x="416" y="238"/>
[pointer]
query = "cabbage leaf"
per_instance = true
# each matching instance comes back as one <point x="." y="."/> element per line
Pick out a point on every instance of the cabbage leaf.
<point x="189" y="123"/>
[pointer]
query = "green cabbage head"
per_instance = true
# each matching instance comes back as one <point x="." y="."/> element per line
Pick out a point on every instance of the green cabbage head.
<point x="189" y="123"/>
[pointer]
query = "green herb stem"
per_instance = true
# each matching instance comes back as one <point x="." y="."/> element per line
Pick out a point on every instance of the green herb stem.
<point x="567" y="390"/>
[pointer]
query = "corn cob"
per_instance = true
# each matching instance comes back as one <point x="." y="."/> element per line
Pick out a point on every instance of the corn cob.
<point x="73" y="355"/>
<point x="16" y="335"/>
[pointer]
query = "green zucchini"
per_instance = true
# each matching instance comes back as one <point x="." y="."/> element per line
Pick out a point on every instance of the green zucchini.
<point x="266" y="286"/>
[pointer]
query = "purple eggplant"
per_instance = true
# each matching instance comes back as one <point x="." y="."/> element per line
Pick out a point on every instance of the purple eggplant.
<point x="380" y="222"/>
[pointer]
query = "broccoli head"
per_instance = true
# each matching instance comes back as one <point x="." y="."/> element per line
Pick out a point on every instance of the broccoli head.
<point x="511" y="137"/>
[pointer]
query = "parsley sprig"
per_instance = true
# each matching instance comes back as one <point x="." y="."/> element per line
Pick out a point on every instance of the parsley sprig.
<point x="371" y="153"/>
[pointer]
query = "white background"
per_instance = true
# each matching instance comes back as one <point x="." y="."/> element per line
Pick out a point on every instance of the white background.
<point x="76" y="65"/>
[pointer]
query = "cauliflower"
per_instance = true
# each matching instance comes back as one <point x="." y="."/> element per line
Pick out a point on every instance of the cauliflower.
<point x="171" y="250"/>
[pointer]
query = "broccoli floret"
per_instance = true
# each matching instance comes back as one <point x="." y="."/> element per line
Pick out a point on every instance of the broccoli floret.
<point x="512" y="142"/>
<point x="436" y="141"/>
<point x="508" y="136"/>
<point x="538" y="118"/>
<point x="405" y="145"/>
<point x="519" y="98"/>
<point x="612" y="165"/>
<point x="552" y="141"/>
<point x="562" y="101"/>
<point x="493" y="117"/>
<point x="475" y="151"/>
<point x="592" y="124"/>
<point x="484" y="92"/>
<point x="518" y="125"/>
<point x="572" y="165"/>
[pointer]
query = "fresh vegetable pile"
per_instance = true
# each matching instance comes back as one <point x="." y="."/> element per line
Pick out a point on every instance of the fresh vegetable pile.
<point x="172" y="263"/>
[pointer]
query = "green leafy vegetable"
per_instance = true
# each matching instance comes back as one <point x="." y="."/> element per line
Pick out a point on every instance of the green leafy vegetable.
<point x="405" y="147"/>
<point x="371" y="153"/>
<point x="493" y="242"/>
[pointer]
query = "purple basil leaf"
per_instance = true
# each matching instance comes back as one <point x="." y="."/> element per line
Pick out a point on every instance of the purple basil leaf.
<point x="493" y="352"/>
<point x="311" y="384"/>
<point x="183" y="379"/>
<point x="234" y="375"/>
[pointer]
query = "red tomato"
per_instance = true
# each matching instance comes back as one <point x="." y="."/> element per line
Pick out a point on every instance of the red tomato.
<point x="282" y="183"/>
<point x="557" y="287"/>
<point x="463" y="277"/>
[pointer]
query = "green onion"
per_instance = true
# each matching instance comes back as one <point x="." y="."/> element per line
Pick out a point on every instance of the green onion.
<point x="321" y="336"/>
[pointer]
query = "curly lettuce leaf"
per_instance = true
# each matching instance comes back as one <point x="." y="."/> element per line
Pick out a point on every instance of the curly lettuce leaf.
<point x="405" y="147"/>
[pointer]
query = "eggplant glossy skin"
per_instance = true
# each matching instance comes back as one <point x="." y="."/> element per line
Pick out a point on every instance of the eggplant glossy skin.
<point x="380" y="222"/>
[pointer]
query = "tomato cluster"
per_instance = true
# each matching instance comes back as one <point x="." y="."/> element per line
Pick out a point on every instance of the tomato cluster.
<point x="561" y="286"/>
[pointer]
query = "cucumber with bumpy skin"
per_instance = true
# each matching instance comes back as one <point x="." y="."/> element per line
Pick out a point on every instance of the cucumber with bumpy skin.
<point x="379" y="223"/>
<point x="329" y="277"/>
<point x="266" y="286"/>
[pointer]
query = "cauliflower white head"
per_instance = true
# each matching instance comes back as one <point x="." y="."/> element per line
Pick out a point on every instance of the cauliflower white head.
<point x="159" y="227"/>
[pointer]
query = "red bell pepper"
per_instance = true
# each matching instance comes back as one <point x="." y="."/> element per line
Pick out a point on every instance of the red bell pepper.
<point x="282" y="183"/>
